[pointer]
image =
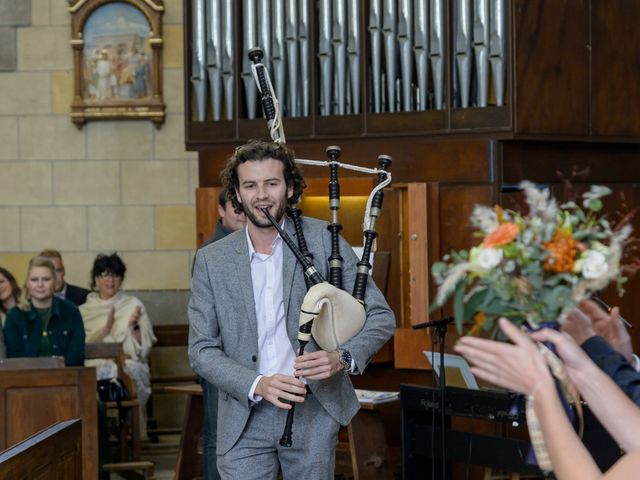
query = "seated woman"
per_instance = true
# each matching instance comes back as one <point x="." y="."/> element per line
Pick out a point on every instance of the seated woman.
<point x="44" y="325"/>
<point x="9" y="297"/>
<point x="521" y="367"/>
<point x="110" y="315"/>
<point x="9" y="293"/>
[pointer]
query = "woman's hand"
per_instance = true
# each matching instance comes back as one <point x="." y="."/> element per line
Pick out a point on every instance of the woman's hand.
<point x="518" y="366"/>
<point x="133" y="319"/>
<point x="573" y="357"/>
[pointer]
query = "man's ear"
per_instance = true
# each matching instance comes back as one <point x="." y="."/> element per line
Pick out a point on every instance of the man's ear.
<point x="290" y="191"/>
<point x="221" y="210"/>
<point x="237" y="195"/>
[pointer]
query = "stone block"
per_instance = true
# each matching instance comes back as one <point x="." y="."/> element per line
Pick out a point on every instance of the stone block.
<point x="194" y="181"/>
<point x="172" y="55"/>
<point x="15" y="12"/>
<point x="155" y="182"/>
<point x="157" y="270"/>
<point x="176" y="228"/>
<point x="169" y="140"/>
<point x="25" y="93"/>
<point x="25" y="183"/>
<point x="121" y="228"/>
<point x="52" y="137"/>
<point x="62" y="228"/>
<point x="44" y="48"/>
<point x="77" y="267"/>
<point x="86" y="183"/>
<point x="61" y="91"/>
<point x="8" y="138"/>
<point x="172" y="12"/>
<point x="59" y="13"/>
<point x="40" y="12"/>
<point x="17" y="264"/>
<point x="8" y="49"/>
<point x="119" y="140"/>
<point x="165" y="307"/>
<point x="173" y="89"/>
<point x="10" y="228"/>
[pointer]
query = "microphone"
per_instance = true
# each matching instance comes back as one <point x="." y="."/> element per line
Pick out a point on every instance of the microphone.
<point x="434" y="323"/>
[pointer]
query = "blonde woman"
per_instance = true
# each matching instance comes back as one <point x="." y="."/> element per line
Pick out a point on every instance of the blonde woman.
<point x="44" y="325"/>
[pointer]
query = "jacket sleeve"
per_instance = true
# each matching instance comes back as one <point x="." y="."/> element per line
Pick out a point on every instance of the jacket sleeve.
<point x="380" y="323"/>
<point x="75" y="353"/>
<point x="614" y="365"/>
<point x="206" y="353"/>
<point x="13" y="332"/>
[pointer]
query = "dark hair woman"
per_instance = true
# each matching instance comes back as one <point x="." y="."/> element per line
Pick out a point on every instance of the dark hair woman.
<point x="110" y="315"/>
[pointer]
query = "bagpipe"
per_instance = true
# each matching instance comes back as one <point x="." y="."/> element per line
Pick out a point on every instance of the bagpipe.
<point x="328" y="313"/>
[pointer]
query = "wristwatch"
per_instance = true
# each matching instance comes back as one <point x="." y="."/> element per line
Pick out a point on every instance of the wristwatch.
<point x="345" y="359"/>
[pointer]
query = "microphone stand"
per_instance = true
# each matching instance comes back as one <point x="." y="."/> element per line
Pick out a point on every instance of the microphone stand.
<point x="441" y="328"/>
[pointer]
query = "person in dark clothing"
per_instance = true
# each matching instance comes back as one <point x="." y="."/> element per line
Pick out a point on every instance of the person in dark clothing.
<point x="228" y="221"/>
<point x="604" y="338"/>
<point x="74" y="294"/>
<point x="45" y="325"/>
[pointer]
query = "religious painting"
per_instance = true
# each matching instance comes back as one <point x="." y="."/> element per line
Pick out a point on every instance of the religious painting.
<point x="117" y="48"/>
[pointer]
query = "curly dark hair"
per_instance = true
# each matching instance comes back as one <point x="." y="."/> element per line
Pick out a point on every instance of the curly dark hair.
<point x="16" y="291"/>
<point x="107" y="263"/>
<point x="256" y="150"/>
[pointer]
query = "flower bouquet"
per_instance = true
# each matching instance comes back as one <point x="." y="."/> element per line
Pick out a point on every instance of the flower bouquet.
<point x="532" y="268"/>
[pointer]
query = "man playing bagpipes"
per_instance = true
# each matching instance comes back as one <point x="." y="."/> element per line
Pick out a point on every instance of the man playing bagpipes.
<point x="244" y="315"/>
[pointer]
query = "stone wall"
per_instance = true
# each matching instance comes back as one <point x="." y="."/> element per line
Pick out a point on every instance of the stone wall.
<point x="112" y="186"/>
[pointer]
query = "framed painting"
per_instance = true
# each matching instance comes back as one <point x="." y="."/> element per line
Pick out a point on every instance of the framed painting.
<point x="117" y="46"/>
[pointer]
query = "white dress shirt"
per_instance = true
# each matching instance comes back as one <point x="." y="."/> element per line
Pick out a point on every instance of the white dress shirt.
<point x="275" y="352"/>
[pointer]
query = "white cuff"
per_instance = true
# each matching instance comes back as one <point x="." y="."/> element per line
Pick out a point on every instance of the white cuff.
<point x="252" y="392"/>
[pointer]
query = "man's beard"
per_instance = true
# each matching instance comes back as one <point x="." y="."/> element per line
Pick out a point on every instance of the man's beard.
<point x="265" y="223"/>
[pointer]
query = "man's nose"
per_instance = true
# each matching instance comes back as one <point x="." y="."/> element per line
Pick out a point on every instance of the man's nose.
<point x="262" y="192"/>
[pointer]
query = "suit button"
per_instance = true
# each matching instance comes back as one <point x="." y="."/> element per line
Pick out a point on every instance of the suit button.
<point x="254" y="358"/>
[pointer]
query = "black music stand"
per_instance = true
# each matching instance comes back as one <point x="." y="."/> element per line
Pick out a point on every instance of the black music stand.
<point x="441" y="329"/>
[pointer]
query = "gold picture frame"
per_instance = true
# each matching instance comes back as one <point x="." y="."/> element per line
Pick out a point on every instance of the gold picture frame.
<point x="117" y="47"/>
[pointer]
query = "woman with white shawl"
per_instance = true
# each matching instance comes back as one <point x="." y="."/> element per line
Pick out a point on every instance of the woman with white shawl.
<point x="110" y="315"/>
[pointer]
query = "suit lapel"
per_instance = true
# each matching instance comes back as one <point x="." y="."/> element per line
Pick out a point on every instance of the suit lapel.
<point x="288" y="274"/>
<point x="243" y="271"/>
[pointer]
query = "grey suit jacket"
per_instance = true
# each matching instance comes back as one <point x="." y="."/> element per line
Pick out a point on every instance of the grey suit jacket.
<point x="223" y="338"/>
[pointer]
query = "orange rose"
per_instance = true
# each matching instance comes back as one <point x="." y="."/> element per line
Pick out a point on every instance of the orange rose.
<point x="505" y="233"/>
<point x="562" y="252"/>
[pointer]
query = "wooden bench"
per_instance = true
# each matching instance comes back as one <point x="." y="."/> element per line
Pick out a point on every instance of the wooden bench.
<point x="34" y="400"/>
<point x="55" y="452"/>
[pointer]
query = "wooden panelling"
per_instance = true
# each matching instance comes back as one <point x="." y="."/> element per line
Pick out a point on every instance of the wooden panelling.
<point x="54" y="453"/>
<point x="546" y="162"/>
<point x="31" y="401"/>
<point x="206" y="213"/>
<point x="616" y="62"/>
<point x="551" y="60"/>
<point x="414" y="159"/>
<point x="408" y="347"/>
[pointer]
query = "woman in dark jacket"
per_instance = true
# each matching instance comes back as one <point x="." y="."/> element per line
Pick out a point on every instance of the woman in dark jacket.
<point x="45" y="325"/>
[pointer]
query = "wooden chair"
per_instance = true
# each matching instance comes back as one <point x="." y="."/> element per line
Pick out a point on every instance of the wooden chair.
<point x="129" y="426"/>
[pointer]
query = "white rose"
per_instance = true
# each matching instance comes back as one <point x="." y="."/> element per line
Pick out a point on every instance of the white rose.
<point x="594" y="265"/>
<point x="489" y="258"/>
